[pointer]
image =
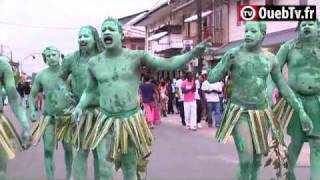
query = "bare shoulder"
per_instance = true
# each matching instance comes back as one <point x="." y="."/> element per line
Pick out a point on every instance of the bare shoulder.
<point x="137" y="54"/>
<point x="69" y="58"/>
<point x="291" y="44"/>
<point x="41" y="74"/>
<point x="95" y="59"/>
<point x="132" y="54"/>
<point x="233" y="52"/>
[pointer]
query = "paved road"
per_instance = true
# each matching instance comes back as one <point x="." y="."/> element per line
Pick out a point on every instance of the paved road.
<point x="178" y="154"/>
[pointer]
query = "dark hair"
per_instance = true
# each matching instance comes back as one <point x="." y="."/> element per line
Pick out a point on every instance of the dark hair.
<point x="189" y="75"/>
<point x="98" y="43"/>
<point x="146" y="78"/>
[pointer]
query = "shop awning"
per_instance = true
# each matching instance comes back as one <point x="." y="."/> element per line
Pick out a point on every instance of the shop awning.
<point x="195" y="17"/>
<point x="157" y="36"/>
<point x="271" y="39"/>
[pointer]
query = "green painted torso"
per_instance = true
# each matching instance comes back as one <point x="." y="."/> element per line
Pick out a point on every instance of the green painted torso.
<point x="79" y="71"/>
<point x="55" y="98"/>
<point x="249" y="72"/>
<point x="304" y="70"/>
<point x="118" y="81"/>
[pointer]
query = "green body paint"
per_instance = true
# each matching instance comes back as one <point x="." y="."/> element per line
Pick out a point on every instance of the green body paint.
<point x="54" y="104"/>
<point x="8" y="83"/>
<point x="76" y="65"/>
<point x="302" y="56"/>
<point x="115" y="96"/>
<point x="250" y="66"/>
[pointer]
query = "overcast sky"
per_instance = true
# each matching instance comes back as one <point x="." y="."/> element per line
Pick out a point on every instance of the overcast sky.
<point x="27" y="26"/>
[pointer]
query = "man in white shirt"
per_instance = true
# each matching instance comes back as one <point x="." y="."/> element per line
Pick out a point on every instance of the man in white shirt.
<point x="179" y="96"/>
<point x="212" y="91"/>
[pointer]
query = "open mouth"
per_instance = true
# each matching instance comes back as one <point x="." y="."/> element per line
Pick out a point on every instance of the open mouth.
<point x="248" y="40"/>
<point x="108" y="40"/>
<point x="83" y="44"/>
<point x="307" y="31"/>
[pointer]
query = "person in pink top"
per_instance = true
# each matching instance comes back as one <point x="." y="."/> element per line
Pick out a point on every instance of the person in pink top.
<point x="190" y="106"/>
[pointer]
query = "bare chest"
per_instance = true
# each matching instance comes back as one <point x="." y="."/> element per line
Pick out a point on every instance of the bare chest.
<point x="115" y="70"/>
<point x="247" y="65"/>
<point x="304" y="58"/>
<point x="50" y="80"/>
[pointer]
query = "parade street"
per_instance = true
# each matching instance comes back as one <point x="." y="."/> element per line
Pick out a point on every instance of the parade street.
<point x="177" y="154"/>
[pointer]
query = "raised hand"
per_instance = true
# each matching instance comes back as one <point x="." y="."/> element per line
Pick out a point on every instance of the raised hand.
<point x="201" y="47"/>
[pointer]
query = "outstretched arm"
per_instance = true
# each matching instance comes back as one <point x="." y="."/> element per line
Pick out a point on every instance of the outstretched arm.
<point x="220" y="70"/>
<point x="34" y="91"/>
<point x="168" y="64"/>
<point x="289" y="95"/>
<point x="13" y="97"/>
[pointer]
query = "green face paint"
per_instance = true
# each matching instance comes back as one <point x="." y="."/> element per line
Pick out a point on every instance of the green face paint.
<point x="308" y="29"/>
<point x="85" y="39"/>
<point x="52" y="57"/>
<point x="111" y="35"/>
<point x="253" y="36"/>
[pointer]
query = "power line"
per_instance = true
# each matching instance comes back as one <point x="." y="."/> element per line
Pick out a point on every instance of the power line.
<point x="38" y="26"/>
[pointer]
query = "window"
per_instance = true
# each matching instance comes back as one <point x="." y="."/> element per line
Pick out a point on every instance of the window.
<point x="218" y="18"/>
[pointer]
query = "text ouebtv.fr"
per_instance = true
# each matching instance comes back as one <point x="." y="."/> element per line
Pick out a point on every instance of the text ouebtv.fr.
<point x="276" y="13"/>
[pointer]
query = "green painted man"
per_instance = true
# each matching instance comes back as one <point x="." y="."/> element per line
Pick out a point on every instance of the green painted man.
<point x="302" y="56"/>
<point x="248" y="116"/>
<point x="75" y="67"/>
<point x="115" y="74"/>
<point x="9" y="140"/>
<point x="53" y="111"/>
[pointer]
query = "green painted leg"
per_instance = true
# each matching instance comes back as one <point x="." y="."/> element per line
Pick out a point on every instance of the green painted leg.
<point x="129" y="163"/>
<point x="293" y="153"/>
<point x="80" y="165"/>
<point x="104" y="169"/>
<point x="256" y="166"/>
<point x="243" y="141"/>
<point x="3" y="165"/>
<point x="68" y="158"/>
<point x="315" y="159"/>
<point x="48" y="141"/>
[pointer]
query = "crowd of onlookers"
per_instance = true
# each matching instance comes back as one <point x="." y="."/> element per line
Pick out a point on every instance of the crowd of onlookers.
<point x="189" y="95"/>
<point x="24" y="89"/>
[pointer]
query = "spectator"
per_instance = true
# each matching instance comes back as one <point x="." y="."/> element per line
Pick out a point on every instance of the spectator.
<point x="171" y="92"/>
<point x="39" y="99"/>
<point x="27" y="90"/>
<point x="163" y="98"/>
<point x="212" y="91"/>
<point x="190" y="106"/>
<point x="179" y="97"/>
<point x="147" y="93"/>
<point x="21" y="89"/>
<point x="198" y="100"/>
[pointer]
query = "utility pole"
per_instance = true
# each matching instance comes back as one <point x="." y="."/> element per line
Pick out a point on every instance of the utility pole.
<point x="199" y="31"/>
